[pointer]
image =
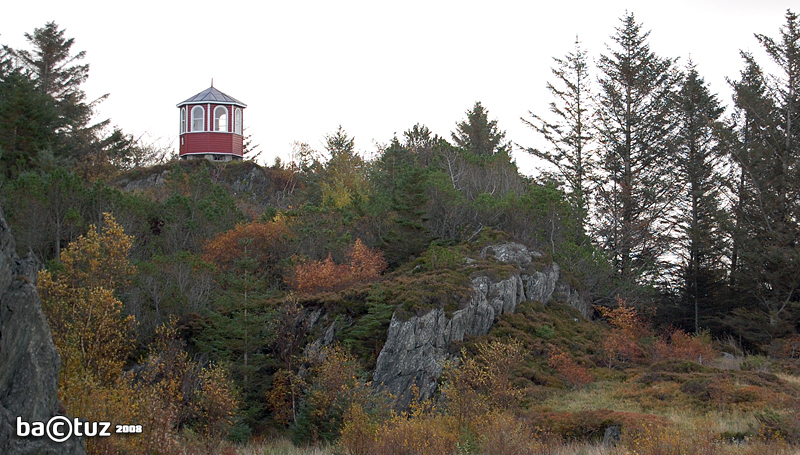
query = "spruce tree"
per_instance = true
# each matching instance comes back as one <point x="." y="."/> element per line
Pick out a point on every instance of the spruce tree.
<point x="57" y="73"/>
<point x="571" y="131"/>
<point x="28" y="121"/>
<point x="405" y="182"/>
<point x="478" y="136"/>
<point x="768" y="253"/>
<point x="636" y="125"/>
<point x="698" y="155"/>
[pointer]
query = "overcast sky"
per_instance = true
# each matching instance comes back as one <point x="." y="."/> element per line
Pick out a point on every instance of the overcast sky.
<point x="376" y="68"/>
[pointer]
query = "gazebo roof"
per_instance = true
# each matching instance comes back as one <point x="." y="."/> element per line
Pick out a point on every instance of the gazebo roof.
<point x="212" y="95"/>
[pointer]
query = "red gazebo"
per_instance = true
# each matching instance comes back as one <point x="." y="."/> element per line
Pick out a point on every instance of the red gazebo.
<point x="211" y="126"/>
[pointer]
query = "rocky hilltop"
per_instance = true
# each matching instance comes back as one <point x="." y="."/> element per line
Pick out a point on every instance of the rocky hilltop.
<point x="417" y="348"/>
<point x="29" y="362"/>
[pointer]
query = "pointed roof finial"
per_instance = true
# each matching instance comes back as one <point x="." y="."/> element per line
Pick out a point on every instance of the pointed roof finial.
<point x="212" y="81"/>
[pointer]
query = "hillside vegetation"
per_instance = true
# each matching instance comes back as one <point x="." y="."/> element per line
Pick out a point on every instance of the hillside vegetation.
<point x="232" y="307"/>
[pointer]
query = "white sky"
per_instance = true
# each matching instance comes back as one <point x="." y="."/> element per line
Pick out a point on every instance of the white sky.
<point x="375" y="67"/>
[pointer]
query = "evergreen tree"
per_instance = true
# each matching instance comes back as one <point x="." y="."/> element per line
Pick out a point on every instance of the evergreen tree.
<point x="636" y="124"/>
<point x="28" y="121"/>
<point x="768" y="253"/>
<point x="478" y="136"/>
<point x="570" y="133"/>
<point x="344" y="179"/>
<point x="697" y="157"/>
<point x="752" y="119"/>
<point x="406" y="183"/>
<point x="56" y="72"/>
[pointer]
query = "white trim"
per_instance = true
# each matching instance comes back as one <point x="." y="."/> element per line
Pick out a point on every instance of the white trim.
<point x="207" y="153"/>
<point x="192" y="103"/>
<point x="210" y="119"/>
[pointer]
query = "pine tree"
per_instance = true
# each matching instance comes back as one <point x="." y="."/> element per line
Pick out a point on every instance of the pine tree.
<point x="569" y="135"/>
<point x="636" y="124"/>
<point x="698" y="156"/>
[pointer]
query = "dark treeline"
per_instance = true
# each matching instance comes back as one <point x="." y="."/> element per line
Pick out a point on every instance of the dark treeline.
<point x="656" y="195"/>
<point x="697" y="206"/>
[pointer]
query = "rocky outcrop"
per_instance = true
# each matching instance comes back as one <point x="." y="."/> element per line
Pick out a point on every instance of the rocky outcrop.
<point x="417" y="348"/>
<point x="154" y="180"/>
<point x="29" y="361"/>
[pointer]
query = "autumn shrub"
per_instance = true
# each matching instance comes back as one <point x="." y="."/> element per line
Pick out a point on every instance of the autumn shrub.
<point x="682" y="346"/>
<point x="259" y="241"/>
<point x="335" y="384"/>
<point x="623" y="344"/>
<point x="95" y="340"/>
<point x="503" y="434"/>
<point x="284" y="396"/>
<point x="90" y="332"/>
<point x="363" y="265"/>
<point x="573" y="373"/>
<point x="483" y="381"/>
<point x="422" y="435"/>
<point x="359" y="432"/>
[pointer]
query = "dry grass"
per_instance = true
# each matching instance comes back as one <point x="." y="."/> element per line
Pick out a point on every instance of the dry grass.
<point x="279" y="447"/>
<point x="789" y="378"/>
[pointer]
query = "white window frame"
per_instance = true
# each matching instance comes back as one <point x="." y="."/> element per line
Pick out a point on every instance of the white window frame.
<point x="198" y="118"/>
<point x="183" y="120"/>
<point x="237" y="128"/>
<point x="217" y="125"/>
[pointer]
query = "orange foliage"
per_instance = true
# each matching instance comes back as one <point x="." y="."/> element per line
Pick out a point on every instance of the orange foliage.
<point x="680" y="345"/>
<point x="574" y="373"/>
<point x="364" y="265"/>
<point x="628" y="328"/>
<point x="257" y="240"/>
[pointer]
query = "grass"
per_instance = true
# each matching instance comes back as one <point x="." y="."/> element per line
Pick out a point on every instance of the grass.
<point x="278" y="447"/>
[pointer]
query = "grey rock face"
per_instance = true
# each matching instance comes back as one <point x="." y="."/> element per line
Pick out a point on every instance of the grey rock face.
<point x="29" y="361"/>
<point x="510" y="253"/>
<point x="150" y="181"/>
<point x="574" y="299"/>
<point x="416" y="349"/>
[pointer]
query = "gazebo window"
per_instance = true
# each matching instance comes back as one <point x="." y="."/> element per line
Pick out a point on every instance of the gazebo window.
<point x="237" y="118"/>
<point x="197" y="118"/>
<point x="183" y="120"/>
<point x="221" y="119"/>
